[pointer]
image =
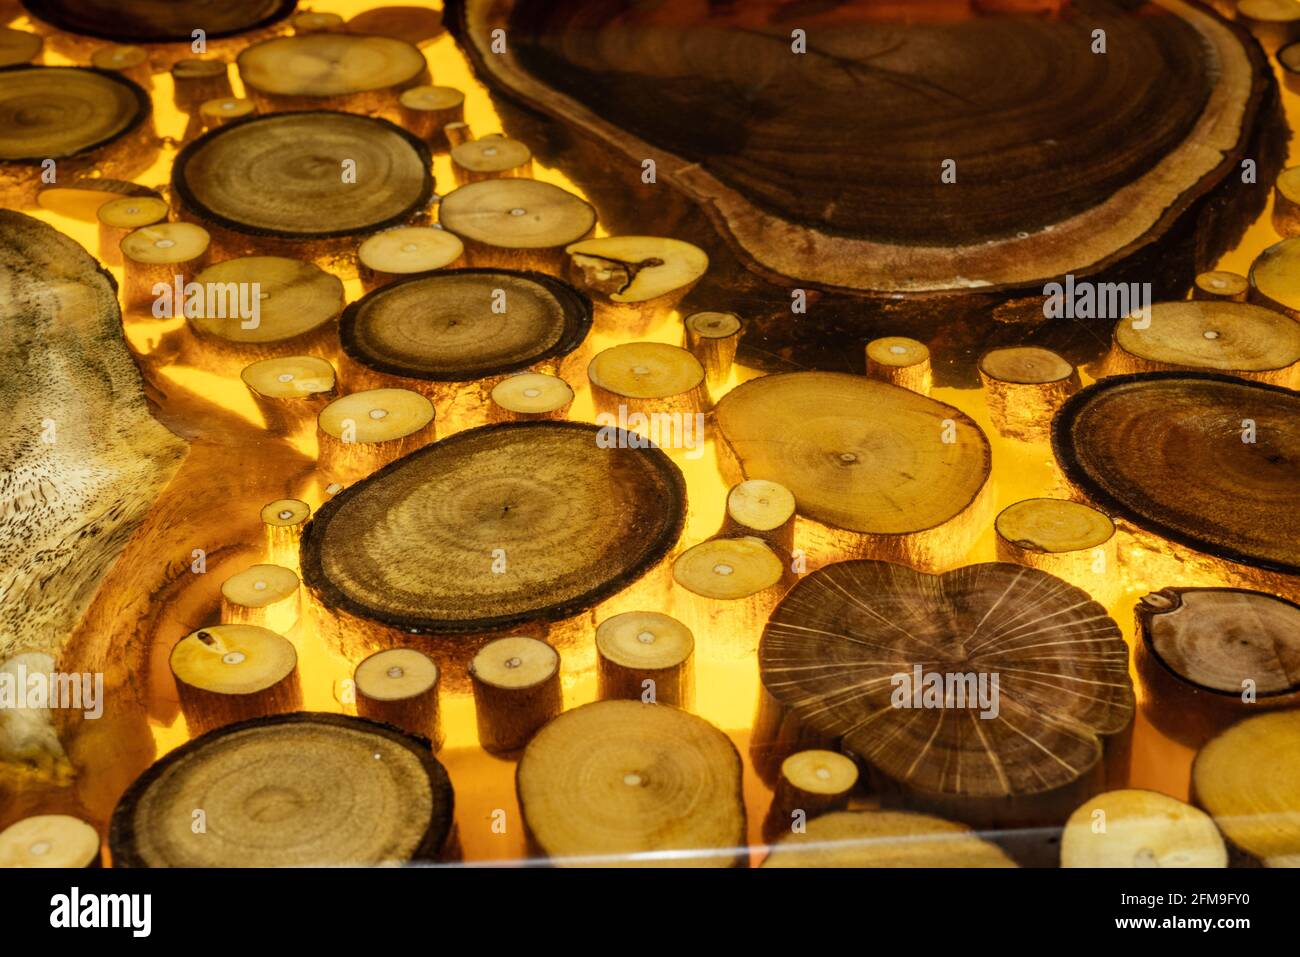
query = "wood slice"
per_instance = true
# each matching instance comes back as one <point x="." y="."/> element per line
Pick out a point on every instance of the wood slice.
<point x="19" y="46"/>
<point x="811" y="783"/>
<point x="1221" y="285"/>
<point x="195" y="81"/>
<point x="426" y="110"/>
<point x="298" y="790"/>
<point x="129" y="60"/>
<point x="867" y="463"/>
<point x="226" y="673"/>
<point x="1248" y="780"/>
<point x="885" y="839"/>
<point x="284" y="520"/>
<point x="412" y="548"/>
<point x="891" y="95"/>
<point x="86" y="121"/>
<point x="1230" y="337"/>
<point x="731" y="585"/>
<point x="1286" y="202"/>
<point x="263" y="595"/>
<point x="418" y="25"/>
<point x="762" y="509"/>
<point x="530" y="395"/>
<point x="647" y="377"/>
<point x="399" y="686"/>
<point x="49" y="840"/>
<point x="1064" y="705"/>
<point x="1164" y="451"/>
<point x="312" y="22"/>
<point x="645" y="656"/>
<point x="635" y="279"/>
<point x="620" y="783"/>
<point x="120" y="217"/>
<point x="81" y="198"/>
<point x="1207" y="657"/>
<point x="1275" y="23"/>
<point x="900" y="361"/>
<point x="490" y="158"/>
<point x="457" y="132"/>
<point x="159" y="259"/>
<point x="1273" y="278"/>
<point x="1133" y="828"/>
<point x="290" y="391"/>
<point x="149" y="21"/>
<point x="282" y="177"/>
<point x="712" y="337"/>
<point x="516" y="223"/>
<point x="217" y="112"/>
<point x="330" y="71"/>
<point x="1067" y="539"/>
<point x="1024" y="386"/>
<point x="517" y="689"/>
<point x="363" y="431"/>
<point x="403" y="251"/>
<point x="1288" y="57"/>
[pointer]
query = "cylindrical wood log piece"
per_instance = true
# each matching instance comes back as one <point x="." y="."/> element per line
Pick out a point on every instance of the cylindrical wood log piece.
<point x="1288" y="57"/>
<point x="330" y="71"/>
<point x="311" y="21"/>
<point x="399" y="686"/>
<point x="19" y="46"/>
<point x="1207" y="657"/>
<point x="951" y="701"/>
<point x="296" y="790"/>
<point x="1273" y="278"/>
<point x="255" y="307"/>
<point x="263" y="595"/>
<point x="1275" y="23"/>
<point x="861" y="839"/>
<point x="427" y="110"/>
<point x="118" y="217"/>
<point x="49" y="840"/>
<point x="159" y="254"/>
<point x="516" y="690"/>
<point x="227" y="673"/>
<point x="283" y="520"/>
<point x="290" y="391"/>
<point x="129" y="60"/>
<point x="530" y="395"/>
<point x="908" y="481"/>
<point x="1286" y="202"/>
<point x="406" y="250"/>
<point x="1248" y="779"/>
<point x="732" y="584"/>
<point x="1220" y="285"/>
<point x="762" y="509"/>
<point x="196" y="81"/>
<point x="635" y="280"/>
<point x="1067" y="539"/>
<point x="492" y="157"/>
<point x="1135" y="828"/>
<point x="811" y="783"/>
<point x="647" y="377"/>
<point x="624" y="783"/>
<point x="82" y="198"/>
<point x="645" y="656"/>
<point x="214" y="113"/>
<point x="712" y="337"/>
<point x="457" y="132"/>
<point x="1231" y="337"/>
<point x="1024" y="386"/>
<point x="361" y="432"/>
<point x="516" y="223"/>
<point x="900" y="361"/>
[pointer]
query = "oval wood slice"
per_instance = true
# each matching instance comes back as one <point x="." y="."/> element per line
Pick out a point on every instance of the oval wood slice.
<point x="624" y="783"/>
<point x="52" y="112"/>
<point x="282" y="175"/>
<point x="833" y="171"/>
<point x="832" y="647"/>
<point x="412" y="546"/>
<point x="1134" y="828"/>
<point x="325" y="65"/>
<point x="1166" y="452"/>
<point x="861" y="457"/>
<point x="154" y="21"/>
<point x="444" y="327"/>
<point x="885" y="839"/>
<point x="295" y="790"/>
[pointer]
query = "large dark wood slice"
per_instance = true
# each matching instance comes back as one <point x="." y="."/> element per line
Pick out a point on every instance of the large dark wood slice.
<point x="413" y="545"/>
<point x="295" y="790"/>
<point x="282" y="175"/>
<point x="1064" y="704"/>
<point x="827" y="165"/>
<point x="158" y="21"/>
<point x="1166" y="451"/>
<point x="442" y="326"/>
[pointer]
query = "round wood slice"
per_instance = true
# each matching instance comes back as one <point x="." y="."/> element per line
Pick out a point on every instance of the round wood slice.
<point x="412" y="546"/>
<point x="1065" y="703"/>
<point x="1209" y="656"/>
<point x="295" y="299"/>
<point x="295" y="790"/>
<point x="19" y="46"/>
<point x="1248" y="780"/>
<point x="620" y="783"/>
<point x="1165" y="451"/>
<point x="516" y="214"/>
<point x="49" y="840"/>
<point x="1220" y="284"/>
<point x="885" y="839"/>
<point x="862" y="458"/>
<point x="1272" y="277"/>
<point x="82" y="198"/>
<point x="1134" y="828"/>
<point x="320" y="66"/>
<point x="152" y="21"/>
<point x="443" y="326"/>
<point x="282" y="175"/>
<point x="52" y="112"/>
<point x="531" y="395"/>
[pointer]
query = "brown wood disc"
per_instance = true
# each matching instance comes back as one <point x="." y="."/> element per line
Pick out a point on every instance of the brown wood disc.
<point x="416" y="25"/>
<point x="327" y="64"/>
<point x="885" y="839"/>
<point x="151" y="21"/>
<point x="51" y="112"/>
<point x="295" y="790"/>
<point x="832" y="649"/>
<point x="445" y="326"/>
<point x="413" y="545"/>
<point x="1166" y="452"/>
<point x="282" y="175"/>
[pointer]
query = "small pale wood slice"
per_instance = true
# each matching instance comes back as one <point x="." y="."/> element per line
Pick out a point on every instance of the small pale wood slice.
<point x="1134" y="828"/>
<point x="19" y="46"/>
<point x="81" y="198"/>
<point x="647" y="377"/>
<point x="885" y="839"/>
<point x="327" y="70"/>
<point x="1067" y="539"/>
<point x="49" y="840"/>
<point x="427" y="110"/>
<point x="900" y="361"/>
<point x="517" y="223"/>
<point x="530" y="395"/>
<point x="1222" y="285"/>
<point x="1024" y="386"/>
<point x="490" y="158"/>
<point x="284" y="520"/>
<point x="263" y="594"/>
<point x="290" y="390"/>
<point x="811" y="783"/>
<point x="645" y="656"/>
<point x="399" y="686"/>
<point x="712" y="337"/>
<point x="364" y="431"/>
<point x="120" y="217"/>
<point x="636" y="278"/>
<point x="406" y="250"/>
<point x="1273" y="281"/>
<point x="517" y="689"/>
<point x="153" y="257"/>
<point x="230" y="672"/>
